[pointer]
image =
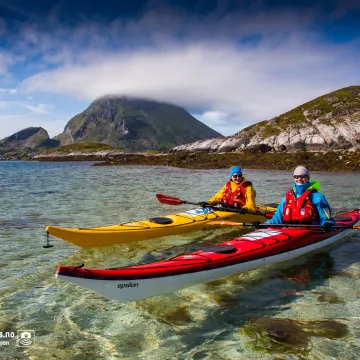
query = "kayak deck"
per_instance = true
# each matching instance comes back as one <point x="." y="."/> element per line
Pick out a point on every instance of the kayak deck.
<point x="258" y="248"/>
<point x="172" y="224"/>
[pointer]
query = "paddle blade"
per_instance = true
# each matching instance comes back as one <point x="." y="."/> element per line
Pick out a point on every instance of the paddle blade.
<point x="356" y="227"/>
<point x="169" y="200"/>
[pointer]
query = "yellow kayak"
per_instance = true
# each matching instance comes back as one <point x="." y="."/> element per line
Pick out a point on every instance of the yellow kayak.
<point x="172" y="224"/>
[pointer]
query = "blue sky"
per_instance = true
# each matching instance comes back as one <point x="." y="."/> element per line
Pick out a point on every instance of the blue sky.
<point x="229" y="63"/>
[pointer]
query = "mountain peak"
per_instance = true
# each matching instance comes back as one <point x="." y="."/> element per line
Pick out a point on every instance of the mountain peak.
<point x="135" y="124"/>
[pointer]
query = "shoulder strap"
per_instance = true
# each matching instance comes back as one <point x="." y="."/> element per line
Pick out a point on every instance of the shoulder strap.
<point x="289" y="196"/>
<point x="304" y="196"/>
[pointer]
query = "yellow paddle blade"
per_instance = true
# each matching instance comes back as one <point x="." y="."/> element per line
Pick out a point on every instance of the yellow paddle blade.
<point x="225" y="223"/>
<point x="356" y="227"/>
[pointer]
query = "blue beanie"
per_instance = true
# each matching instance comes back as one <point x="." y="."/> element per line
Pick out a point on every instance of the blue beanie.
<point x="235" y="170"/>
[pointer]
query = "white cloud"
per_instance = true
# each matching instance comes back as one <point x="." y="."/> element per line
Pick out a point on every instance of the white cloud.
<point x="212" y="117"/>
<point x="7" y="58"/>
<point x="36" y="108"/>
<point x="217" y="120"/>
<point x="7" y="91"/>
<point x="40" y="108"/>
<point x="250" y="84"/>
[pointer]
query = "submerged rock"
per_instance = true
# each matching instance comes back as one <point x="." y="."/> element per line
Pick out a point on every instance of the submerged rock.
<point x="290" y="336"/>
<point x="168" y="313"/>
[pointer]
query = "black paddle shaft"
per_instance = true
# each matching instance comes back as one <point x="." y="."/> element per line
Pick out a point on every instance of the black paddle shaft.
<point x="299" y="226"/>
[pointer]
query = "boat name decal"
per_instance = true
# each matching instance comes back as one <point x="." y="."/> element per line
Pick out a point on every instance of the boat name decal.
<point x="199" y="211"/>
<point x="256" y="235"/>
<point x="121" y="286"/>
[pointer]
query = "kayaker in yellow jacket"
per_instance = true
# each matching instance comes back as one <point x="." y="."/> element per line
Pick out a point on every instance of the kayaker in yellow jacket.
<point x="236" y="192"/>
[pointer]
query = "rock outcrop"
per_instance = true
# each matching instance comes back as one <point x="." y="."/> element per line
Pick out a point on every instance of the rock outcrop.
<point x="330" y="122"/>
<point x="134" y="124"/>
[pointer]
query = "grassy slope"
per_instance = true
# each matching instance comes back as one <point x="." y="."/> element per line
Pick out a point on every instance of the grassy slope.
<point x="340" y="102"/>
<point x="85" y="147"/>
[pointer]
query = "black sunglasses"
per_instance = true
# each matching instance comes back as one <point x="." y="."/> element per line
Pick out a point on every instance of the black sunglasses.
<point x="300" y="176"/>
<point x="237" y="175"/>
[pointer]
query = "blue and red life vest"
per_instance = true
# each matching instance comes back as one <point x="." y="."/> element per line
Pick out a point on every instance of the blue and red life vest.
<point x="299" y="209"/>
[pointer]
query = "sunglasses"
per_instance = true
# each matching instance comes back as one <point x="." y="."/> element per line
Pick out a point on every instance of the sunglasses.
<point x="237" y="176"/>
<point x="300" y="176"/>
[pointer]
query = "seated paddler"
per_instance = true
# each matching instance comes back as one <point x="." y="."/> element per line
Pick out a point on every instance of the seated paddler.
<point x="303" y="204"/>
<point x="237" y="192"/>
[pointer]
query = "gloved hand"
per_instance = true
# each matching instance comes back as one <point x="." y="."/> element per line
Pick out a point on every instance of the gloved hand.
<point x="327" y="226"/>
<point x="256" y="224"/>
<point x="204" y="204"/>
<point x="243" y="211"/>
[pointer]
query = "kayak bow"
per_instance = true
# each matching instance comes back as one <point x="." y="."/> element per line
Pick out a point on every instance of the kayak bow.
<point x="258" y="248"/>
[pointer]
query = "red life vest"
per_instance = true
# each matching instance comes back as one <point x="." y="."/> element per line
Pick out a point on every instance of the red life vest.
<point x="299" y="209"/>
<point x="236" y="198"/>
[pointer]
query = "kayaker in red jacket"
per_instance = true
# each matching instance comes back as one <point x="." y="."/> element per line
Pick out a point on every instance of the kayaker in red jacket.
<point x="303" y="203"/>
<point x="237" y="192"/>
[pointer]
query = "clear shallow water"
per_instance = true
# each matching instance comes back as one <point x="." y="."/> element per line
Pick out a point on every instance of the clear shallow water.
<point x="304" y="309"/>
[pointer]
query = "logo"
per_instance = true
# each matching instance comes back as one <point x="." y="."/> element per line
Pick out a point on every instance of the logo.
<point x="203" y="211"/>
<point x="121" y="286"/>
<point x="25" y="338"/>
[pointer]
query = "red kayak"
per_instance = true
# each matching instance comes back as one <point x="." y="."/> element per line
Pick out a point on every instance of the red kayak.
<point x="258" y="248"/>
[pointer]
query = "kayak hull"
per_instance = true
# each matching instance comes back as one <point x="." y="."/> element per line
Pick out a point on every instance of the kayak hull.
<point x="173" y="224"/>
<point x="253" y="250"/>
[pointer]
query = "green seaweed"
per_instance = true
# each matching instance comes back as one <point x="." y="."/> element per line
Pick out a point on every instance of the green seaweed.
<point x="272" y="335"/>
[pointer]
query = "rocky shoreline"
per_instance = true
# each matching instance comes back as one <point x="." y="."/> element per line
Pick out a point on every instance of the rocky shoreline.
<point x="316" y="161"/>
